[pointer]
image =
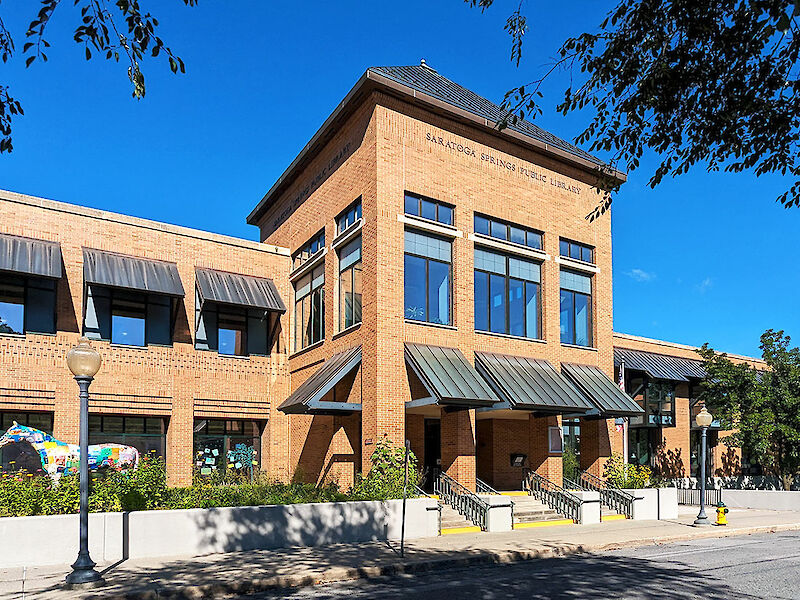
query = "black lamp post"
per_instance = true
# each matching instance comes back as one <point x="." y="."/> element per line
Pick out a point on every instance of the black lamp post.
<point x="84" y="362"/>
<point x="704" y="420"/>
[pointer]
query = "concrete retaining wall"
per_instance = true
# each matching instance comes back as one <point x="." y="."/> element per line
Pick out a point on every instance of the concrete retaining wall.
<point x="34" y="541"/>
<point x="654" y="503"/>
<point x="763" y="499"/>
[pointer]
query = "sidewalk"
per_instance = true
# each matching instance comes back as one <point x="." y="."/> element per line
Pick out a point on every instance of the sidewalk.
<point x="243" y="572"/>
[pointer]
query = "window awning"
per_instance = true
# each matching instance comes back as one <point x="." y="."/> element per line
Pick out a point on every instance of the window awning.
<point x="131" y="272"/>
<point x="448" y="376"/>
<point x="660" y="366"/>
<point x="307" y="399"/>
<point x="29" y="256"/>
<point x="530" y="384"/>
<point x="239" y="290"/>
<point x="606" y="396"/>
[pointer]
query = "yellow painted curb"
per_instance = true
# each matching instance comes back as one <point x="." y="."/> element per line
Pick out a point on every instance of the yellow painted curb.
<point x="453" y="530"/>
<point x="613" y="518"/>
<point x="513" y="493"/>
<point x="544" y="523"/>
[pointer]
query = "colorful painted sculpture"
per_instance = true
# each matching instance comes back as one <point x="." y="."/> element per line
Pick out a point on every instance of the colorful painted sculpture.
<point x="60" y="458"/>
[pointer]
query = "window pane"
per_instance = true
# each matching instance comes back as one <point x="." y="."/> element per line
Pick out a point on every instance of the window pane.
<point x="439" y="292"/>
<point x="231" y="341"/>
<point x="159" y="324"/>
<point x="586" y="254"/>
<point x="112" y="424"/>
<point x="583" y="320"/>
<point x="445" y="214"/>
<point x="317" y="316"/>
<point x="532" y="310"/>
<point x="516" y="307"/>
<point x="428" y="210"/>
<point x="134" y="424"/>
<point x="499" y="230"/>
<point x="567" y="317"/>
<point x="576" y="282"/>
<point x="427" y="246"/>
<point x="358" y="211"/>
<point x="411" y="205"/>
<point x="575" y="251"/>
<point x="481" y="301"/>
<point x="346" y="299"/>
<point x="127" y="329"/>
<point x="517" y="235"/>
<point x="12" y="309"/>
<point x="257" y="326"/>
<point x="350" y="254"/>
<point x="563" y="248"/>
<point x="497" y="304"/>
<point x="524" y="269"/>
<point x="481" y="225"/>
<point x="41" y="309"/>
<point x="414" y="284"/>
<point x="534" y="240"/>
<point x="357" y="293"/>
<point x="306" y="324"/>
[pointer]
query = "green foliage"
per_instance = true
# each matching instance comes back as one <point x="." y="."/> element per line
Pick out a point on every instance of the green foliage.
<point x="385" y="478"/>
<point x="622" y="475"/>
<point x="762" y="408"/>
<point x="571" y="466"/>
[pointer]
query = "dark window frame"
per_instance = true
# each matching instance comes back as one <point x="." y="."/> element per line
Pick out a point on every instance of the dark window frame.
<point x="438" y="204"/>
<point x="528" y="231"/>
<point x="23" y="418"/>
<point x="574" y="317"/>
<point x="198" y="437"/>
<point x="506" y="295"/>
<point x="343" y="218"/>
<point x="570" y="245"/>
<point x="28" y="283"/>
<point x="243" y="312"/>
<point x="304" y="253"/>
<point x="119" y="294"/>
<point x="357" y="265"/>
<point x="314" y="292"/>
<point x="428" y="260"/>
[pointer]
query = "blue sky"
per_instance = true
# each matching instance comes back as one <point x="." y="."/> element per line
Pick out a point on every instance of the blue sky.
<point x="706" y="257"/>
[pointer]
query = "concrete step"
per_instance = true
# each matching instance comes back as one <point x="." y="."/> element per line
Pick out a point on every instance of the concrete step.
<point x="528" y="509"/>
<point x="453" y="520"/>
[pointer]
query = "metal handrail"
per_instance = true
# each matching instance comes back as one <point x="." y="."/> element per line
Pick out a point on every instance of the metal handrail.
<point x="420" y="492"/>
<point x="484" y="488"/>
<point x="552" y="494"/>
<point x="610" y="495"/>
<point x="468" y="504"/>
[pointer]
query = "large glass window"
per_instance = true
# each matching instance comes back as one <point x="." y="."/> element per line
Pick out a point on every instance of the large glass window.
<point x="21" y="456"/>
<point x="507" y="294"/>
<point x="309" y="308"/>
<point x="128" y="317"/>
<point x="428" y="208"/>
<point x="576" y="250"/>
<point x="147" y="434"/>
<point x="576" y="308"/>
<point x="309" y="249"/>
<point x="348" y="217"/>
<point x="509" y="232"/>
<point x="232" y="330"/>
<point x="660" y="403"/>
<point x="427" y="278"/>
<point x="27" y="304"/>
<point x="350" y="284"/>
<point x="215" y="438"/>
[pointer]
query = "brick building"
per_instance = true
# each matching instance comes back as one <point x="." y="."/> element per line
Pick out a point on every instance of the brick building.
<point x="422" y="275"/>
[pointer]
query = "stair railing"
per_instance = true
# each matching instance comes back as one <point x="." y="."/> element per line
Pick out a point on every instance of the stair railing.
<point x="423" y="494"/>
<point x="484" y="488"/>
<point x="610" y="495"/>
<point x="465" y="502"/>
<point x="552" y="494"/>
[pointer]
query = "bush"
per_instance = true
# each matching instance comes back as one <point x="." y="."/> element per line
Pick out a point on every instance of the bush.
<point x="623" y="475"/>
<point x="571" y="466"/>
<point x="385" y="478"/>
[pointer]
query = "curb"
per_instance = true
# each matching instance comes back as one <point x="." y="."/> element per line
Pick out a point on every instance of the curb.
<point x="251" y="586"/>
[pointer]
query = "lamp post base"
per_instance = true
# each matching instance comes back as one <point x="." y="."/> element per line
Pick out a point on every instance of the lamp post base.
<point x="83" y="575"/>
<point x="701" y="521"/>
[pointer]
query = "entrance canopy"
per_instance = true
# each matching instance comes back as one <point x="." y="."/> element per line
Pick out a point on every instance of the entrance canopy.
<point x="448" y="377"/>
<point x="660" y="366"/>
<point x="130" y="272"/>
<point x="30" y="257"/>
<point x="307" y="399"/>
<point x="608" y="399"/>
<point x="530" y="384"/>
<point x="238" y="290"/>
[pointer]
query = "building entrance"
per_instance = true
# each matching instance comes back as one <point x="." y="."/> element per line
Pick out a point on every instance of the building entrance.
<point x="432" y="465"/>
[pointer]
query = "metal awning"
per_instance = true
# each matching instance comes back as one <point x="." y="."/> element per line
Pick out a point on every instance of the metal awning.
<point x="131" y="272"/>
<point x="660" y="366"/>
<point x="29" y="256"/>
<point x="307" y="399"/>
<point x="606" y="396"/>
<point x="239" y="290"/>
<point x="448" y="376"/>
<point x="530" y="384"/>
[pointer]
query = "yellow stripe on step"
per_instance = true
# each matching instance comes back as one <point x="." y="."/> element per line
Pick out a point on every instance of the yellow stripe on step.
<point x="513" y="493"/>
<point x="452" y="530"/>
<point x="613" y="518"/>
<point x="544" y="523"/>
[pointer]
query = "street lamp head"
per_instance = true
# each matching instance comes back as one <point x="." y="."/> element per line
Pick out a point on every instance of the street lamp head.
<point x="704" y="418"/>
<point x="83" y="360"/>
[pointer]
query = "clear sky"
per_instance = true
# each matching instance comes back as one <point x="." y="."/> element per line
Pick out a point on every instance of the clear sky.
<point x="706" y="257"/>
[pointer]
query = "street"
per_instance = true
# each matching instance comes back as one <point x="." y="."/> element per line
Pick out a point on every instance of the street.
<point x="758" y="566"/>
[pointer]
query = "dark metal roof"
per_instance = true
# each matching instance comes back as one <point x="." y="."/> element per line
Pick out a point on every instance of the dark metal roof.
<point x="660" y="366"/>
<point x="448" y="376"/>
<point x="609" y="399"/>
<point x="307" y="399"/>
<point x="130" y="272"/>
<point x="239" y="290"/>
<point x="30" y="257"/>
<point x="428" y="81"/>
<point x="530" y="383"/>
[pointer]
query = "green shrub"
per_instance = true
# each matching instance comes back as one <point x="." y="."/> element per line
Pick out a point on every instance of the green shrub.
<point x="623" y="475"/>
<point x="571" y="465"/>
<point x="385" y="478"/>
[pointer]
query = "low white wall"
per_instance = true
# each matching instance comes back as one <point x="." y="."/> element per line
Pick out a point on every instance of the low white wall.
<point x="498" y="518"/>
<point x="589" y="512"/>
<point x="654" y="503"/>
<point x="762" y="499"/>
<point x="34" y="541"/>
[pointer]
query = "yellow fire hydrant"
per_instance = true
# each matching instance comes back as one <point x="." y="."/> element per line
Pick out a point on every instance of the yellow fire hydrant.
<point x="722" y="512"/>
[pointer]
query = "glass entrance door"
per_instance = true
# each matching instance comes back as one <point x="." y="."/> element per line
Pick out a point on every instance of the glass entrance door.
<point x="432" y="465"/>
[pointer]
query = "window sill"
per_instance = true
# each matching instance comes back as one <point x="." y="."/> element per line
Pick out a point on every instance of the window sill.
<point x="344" y="332"/>
<point x="236" y="356"/>
<point x="511" y="337"/>
<point x="13" y="336"/>
<point x="510" y="247"/>
<point x="429" y="324"/>
<point x="307" y="348"/>
<point x="127" y="346"/>
<point x="428" y="225"/>
<point x="577" y="347"/>
<point x="307" y="266"/>
<point x="578" y="265"/>
<point x="347" y="234"/>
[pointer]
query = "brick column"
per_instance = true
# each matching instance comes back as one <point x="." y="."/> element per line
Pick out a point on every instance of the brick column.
<point x="539" y="457"/>
<point x="180" y="433"/>
<point x="415" y="433"/>
<point x="599" y="438"/>
<point x="458" y="446"/>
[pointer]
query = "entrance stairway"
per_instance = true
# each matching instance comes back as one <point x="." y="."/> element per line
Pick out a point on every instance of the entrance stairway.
<point x="530" y="512"/>
<point x="454" y="522"/>
<point x="615" y="504"/>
